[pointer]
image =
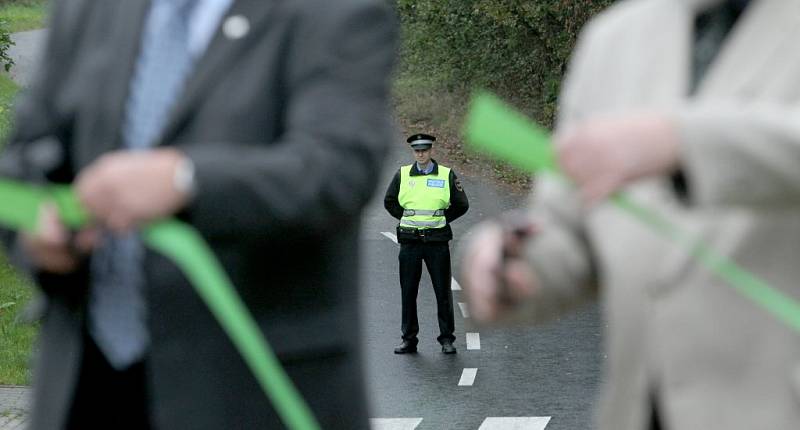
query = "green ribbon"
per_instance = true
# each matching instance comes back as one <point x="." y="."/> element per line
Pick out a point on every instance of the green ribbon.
<point x="187" y="249"/>
<point x="494" y="128"/>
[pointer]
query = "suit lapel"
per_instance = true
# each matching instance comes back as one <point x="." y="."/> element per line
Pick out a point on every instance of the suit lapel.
<point x="223" y="50"/>
<point x="762" y="38"/>
<point x="123" y="51"/>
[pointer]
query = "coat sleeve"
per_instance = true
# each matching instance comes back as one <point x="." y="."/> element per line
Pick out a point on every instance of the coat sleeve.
<point x="43" y="118"/>
<point x="390" y="200"/>
<point x="459" y="204"/>
<point x="37" y="147"/>
<point x="321" y="171"/>
<point x="560" y="252"/>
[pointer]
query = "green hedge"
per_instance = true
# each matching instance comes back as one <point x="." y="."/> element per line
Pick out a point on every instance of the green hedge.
<point x="514" y="47"/>
<point x="5" y="42"/>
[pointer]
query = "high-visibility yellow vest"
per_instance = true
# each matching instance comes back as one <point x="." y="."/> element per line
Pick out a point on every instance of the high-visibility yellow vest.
<point x="424" y="198"/>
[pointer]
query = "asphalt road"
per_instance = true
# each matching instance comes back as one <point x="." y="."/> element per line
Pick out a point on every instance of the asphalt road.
<point x="25" y="52"/>
<point x="545" y="371"/>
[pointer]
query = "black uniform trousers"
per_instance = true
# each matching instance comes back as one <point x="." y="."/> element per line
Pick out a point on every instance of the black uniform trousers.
<point x="436" y="255"/>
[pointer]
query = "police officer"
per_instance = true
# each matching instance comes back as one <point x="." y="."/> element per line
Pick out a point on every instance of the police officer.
<point x="426" y="197"/>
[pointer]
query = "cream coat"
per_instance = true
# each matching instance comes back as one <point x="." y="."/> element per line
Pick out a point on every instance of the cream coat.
<point x="713" y="359"/>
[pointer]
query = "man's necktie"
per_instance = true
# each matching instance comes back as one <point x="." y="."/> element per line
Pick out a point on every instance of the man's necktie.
<point x="116" y="301"/>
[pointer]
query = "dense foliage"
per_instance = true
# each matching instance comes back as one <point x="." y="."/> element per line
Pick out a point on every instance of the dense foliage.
<point x="517" y="48"/>
<point x="5" y="42"/>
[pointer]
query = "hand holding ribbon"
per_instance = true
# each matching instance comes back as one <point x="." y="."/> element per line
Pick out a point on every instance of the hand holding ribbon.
<point x="494" y="128"/>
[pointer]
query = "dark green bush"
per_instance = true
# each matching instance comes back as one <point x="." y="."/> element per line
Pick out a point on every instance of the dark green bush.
<point x="5" y="42"/>
<point x="516" y="48"/>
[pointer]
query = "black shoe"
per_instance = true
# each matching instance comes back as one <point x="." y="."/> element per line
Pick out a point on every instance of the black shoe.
<point x="448" y="348"/>
<point x="406" y="348"/>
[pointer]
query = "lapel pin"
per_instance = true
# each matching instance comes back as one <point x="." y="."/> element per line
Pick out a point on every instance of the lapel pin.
<point x="236" y="27"/>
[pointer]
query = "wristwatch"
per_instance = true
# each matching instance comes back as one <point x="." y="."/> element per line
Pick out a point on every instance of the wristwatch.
<point x="183" y="180"/>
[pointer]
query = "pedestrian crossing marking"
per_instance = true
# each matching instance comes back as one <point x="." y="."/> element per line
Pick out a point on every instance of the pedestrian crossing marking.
<point x="464" y="309"/>
<point x="473" y="341"/>
<point x="394" y="423"/>
<point x="468" y="377"/>
<point x="514" y="423"/>
<point x="454" y="285"/>
<point x="391" y="236"/>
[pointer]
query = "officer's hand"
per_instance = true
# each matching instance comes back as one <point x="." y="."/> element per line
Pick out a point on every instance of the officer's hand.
<point x="495" y="274"/>
<point x="50" y="248"/>
<point x="124" y="189"/>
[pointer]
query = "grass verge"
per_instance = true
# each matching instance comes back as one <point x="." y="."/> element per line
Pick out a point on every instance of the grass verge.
<point x="16" y="338"/>
<point x="8" y="90"/>
<point x="23" y="15"/>
<point x="421" y="105"/>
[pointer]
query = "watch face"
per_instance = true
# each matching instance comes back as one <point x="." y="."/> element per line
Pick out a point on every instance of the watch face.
<point x="183" y="180"/>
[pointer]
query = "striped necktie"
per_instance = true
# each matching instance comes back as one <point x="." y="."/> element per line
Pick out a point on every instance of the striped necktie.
<point x="117" y="307"/>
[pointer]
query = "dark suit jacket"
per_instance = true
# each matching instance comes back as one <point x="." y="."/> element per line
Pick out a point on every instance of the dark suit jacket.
<point x="268" y="119"/>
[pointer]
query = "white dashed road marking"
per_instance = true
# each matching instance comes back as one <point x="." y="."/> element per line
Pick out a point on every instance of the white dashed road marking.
<point x="391" y="236"/>
<point x="473" y="341"/>
<point x="514" y="423"/>
<point x="394" y="423"/>
<point x="454" y="285"/>
<point x="468" y="377"/>
<point x="464" y="309"/>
